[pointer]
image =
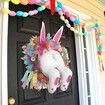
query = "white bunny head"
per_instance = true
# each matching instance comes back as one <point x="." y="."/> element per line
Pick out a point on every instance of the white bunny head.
<point x="46" y="51"/>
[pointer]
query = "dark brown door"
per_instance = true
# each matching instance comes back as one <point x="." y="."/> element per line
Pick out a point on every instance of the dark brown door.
<point x="20" y="31"/>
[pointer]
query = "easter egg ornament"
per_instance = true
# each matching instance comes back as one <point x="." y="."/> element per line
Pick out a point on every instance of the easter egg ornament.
<point x="37" y="1"/>
<point x="24" y="2"/>
<point x="31" y="1"/>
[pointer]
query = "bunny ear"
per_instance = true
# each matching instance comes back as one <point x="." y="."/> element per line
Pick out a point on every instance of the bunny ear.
<point x="42" y="33"/>
<point x="58" y="35"/>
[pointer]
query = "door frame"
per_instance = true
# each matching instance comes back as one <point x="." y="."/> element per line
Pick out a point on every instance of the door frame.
<point x="93" y="59"/>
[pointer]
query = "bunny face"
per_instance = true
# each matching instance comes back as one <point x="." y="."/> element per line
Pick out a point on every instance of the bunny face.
<point x="52" y="87"/>
<point x="54" y="77"/>
<point x="66" y="75"/>
<point x="64" y="86"/>
<point x="65" y="83"/>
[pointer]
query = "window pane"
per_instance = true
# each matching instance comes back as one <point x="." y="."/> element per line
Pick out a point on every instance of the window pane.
<point x="88" y="84"/>
<point x="86" y="59"/>
<point x="89" y="100"/>
<point x="84" y="41"/>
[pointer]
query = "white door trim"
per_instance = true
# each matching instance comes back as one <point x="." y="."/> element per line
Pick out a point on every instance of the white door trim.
<point x="4" y="57"/>
<point x="80" y="62"/>
<point x="0" y="51"/>
<point x="93" y="69"/>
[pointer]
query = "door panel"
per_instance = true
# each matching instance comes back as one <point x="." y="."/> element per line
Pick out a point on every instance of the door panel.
<point x="20" y="31"/>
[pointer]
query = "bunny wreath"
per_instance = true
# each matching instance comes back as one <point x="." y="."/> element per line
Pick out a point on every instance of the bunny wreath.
<point x="47" y="63"/>
<point x="65" y="16"/>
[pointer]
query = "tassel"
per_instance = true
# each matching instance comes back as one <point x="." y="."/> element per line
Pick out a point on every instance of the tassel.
<point x="33" y="81"/>
<point x="25" y="76"/>
<point x="52" y="4"/>
<point x="24" y="85"/>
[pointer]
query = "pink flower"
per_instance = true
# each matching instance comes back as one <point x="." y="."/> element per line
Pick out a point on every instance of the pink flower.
<point x="32" y="58"/>
<point x="24" y="47"/>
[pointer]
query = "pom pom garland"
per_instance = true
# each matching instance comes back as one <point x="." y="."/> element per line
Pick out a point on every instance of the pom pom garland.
<point x="25" y="2"/>
<point x="61" y="11"/>
<point x="65" y="16"/>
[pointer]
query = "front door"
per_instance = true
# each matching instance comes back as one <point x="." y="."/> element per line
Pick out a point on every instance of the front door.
<point x="20" y="31"/>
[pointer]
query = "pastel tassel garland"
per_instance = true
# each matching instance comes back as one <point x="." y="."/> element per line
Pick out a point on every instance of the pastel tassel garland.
<point x="65" y="16"/>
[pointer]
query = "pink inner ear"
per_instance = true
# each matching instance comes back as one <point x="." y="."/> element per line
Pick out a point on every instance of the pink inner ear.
<point x="42" y="33"/>
<point x="69" y="78"/>
<point x="58" y="35"/>
<point x="56" y="81"/>
<point x="57" y="38"/>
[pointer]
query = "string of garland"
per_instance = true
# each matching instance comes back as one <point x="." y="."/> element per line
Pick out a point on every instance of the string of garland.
<point x="62" y="11"/>
<point x="25" y="2"/>
<point x="100" y="47"/>
<point x="65" y="16"/>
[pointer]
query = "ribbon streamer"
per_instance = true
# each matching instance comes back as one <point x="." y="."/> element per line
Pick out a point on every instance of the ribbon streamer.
<point x="52" y="4"/>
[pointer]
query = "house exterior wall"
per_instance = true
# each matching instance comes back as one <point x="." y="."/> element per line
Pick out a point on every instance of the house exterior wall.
<point x="92" y="8"/>
<point x="95" y="9"/>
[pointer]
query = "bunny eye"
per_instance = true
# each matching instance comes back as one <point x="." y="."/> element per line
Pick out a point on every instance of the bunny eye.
<point x="69" y="78"/>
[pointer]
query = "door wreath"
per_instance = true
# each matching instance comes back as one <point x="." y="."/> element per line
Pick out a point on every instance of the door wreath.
<point x="47" y="63"/>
